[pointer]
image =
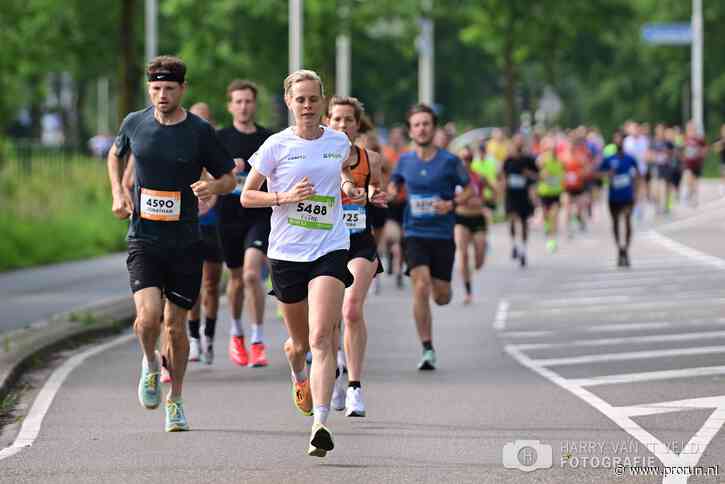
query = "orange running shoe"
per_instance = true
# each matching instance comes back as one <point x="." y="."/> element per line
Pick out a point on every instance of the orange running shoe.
<point x="237" y="351"/>
<point x="302" y="397"/>
<point x="258" y="357"/>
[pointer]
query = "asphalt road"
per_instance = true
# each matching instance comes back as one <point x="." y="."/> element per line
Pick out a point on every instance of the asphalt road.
<point x="33" y="295"/>
<point x="605" y="366"/>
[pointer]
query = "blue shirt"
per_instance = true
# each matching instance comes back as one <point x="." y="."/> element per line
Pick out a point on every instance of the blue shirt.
<point x="621" y="183"/>
<point x="209" y="218"/>
<point x="426" y="182"/>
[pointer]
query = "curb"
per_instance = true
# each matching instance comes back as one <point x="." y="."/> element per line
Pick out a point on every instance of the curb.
<point x="19" y="348"/>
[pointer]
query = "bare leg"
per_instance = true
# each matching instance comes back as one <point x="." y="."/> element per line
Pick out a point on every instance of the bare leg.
<point x="254" y="259"/>
<point x="422" y="287"/>
<point x="356" y="333"/>
<point x="177" y="345"/>
<point x="148" y="320"/>
<point x="325" y="305"/>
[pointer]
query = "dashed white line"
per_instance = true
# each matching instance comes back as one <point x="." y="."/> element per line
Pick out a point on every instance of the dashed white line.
<point x="658" y="338"/>
<point x="499" y="323"/>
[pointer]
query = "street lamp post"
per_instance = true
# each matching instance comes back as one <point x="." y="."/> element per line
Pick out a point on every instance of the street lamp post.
<point x="697" y="66"/>
<point x="426" y="55"/>
<point x="296" y="27"/>
<point x="152" y="42"/>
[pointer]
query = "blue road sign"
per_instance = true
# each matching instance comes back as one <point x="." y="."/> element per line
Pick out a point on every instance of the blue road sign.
<point x="668" y="34"/>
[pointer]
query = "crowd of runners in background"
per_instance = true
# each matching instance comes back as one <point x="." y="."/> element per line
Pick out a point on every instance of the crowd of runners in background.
<point x="316" y="212"/>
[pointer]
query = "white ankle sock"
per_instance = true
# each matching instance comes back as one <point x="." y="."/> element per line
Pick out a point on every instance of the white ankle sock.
<point x="299" y="377"/>
<point x="235" y="327"/>
<point x="321" y="412"/>
<point x="257" y="333"/>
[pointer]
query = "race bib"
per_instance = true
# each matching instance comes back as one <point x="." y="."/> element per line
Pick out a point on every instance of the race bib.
<point x="355" y="218"/>
<point x="572" y="178"/>
<point x="516" y="181"/>
<point x="421" y="206"/>
<point x="553" y="181"/>
<point x="241" y="179"/>
<point x="315" y="213"/>
<point x="160" y="205"/>
<point x="621" y="181"/>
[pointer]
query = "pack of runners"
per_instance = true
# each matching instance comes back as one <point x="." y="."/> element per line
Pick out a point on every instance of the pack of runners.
<point x="312" y="211"/>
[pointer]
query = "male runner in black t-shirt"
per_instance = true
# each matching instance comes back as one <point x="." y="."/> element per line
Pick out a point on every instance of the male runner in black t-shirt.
<point x="244" y="232"/>
<point x="170" y="147"/>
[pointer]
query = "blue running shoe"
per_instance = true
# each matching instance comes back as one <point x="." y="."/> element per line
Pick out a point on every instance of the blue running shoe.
<point x="428" y="362"/>
<point x="149" y="386"/>
<point x="175" y="417"/>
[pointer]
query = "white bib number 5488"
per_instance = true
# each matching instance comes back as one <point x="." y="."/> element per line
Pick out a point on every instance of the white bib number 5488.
<point x="314" y="213"/>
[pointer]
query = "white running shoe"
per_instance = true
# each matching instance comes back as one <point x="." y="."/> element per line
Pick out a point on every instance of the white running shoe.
<point x="354" y="405"/>
<point x="194" y="349"/>
<point x="338" y="393"/>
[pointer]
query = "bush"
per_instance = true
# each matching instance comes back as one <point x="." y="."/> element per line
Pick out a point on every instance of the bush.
<point x="55" y="212"/>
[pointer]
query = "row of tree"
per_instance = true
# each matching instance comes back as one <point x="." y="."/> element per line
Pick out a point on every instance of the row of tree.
<point x="494" y="58"/>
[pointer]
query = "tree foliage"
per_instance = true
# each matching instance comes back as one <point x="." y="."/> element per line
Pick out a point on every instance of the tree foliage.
<point x="493" y="57"/>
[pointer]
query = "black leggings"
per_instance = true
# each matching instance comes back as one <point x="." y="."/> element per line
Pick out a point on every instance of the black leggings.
<point x="513" y="217"/>
<point x="617" y="209"/>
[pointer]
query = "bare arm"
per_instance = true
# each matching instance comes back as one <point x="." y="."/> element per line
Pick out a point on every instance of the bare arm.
<point x="376" y="194"/>
<point x="357" y="195"/>
<point x="122" y="206"/>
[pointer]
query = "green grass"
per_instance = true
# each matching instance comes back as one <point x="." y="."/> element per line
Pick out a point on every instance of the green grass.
<point x="55" y="212"/>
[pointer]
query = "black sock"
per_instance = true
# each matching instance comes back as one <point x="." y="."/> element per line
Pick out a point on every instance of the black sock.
<point x="209" y="328"/>
<point x="427" y="345"/>
<point x="337" y="372"/>
<point x="354" y="384"/>
<point x="194" y="328"/>
<point x="468" y="288"/>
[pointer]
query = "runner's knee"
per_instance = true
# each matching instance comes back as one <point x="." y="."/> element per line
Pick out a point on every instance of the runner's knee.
<point x="352" y="311"/>
<point x="442" y="298"/>
<point x="320" y="337"/>
<point x="251" y="278"/>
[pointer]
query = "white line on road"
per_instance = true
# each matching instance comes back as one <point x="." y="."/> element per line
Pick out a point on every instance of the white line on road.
<point x="629" y="355"/>
<point x="608" y="308"/>
<point x="32" y="422"/>
<point x="619" y="416"/>
<point x="525" y="334"/>
<point x="688" y="252"/>
<point x="605" y="328"/>
<point x="658" y="338"/>
<point x="649" y="376"/>
<point x="674" y="406"/>
<point x="499" y="323"/>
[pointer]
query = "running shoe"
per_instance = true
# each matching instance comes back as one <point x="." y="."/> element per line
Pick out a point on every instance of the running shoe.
<point x="194" y="349"/>
<point x="625" y="258"/>
<point x="165" y="372"/>
<point x="208" y="355"/>
<point x="258" y="357"/>
<point x="514" y="253"/>
<point x="428" y="362"/>
<point x="399" y="280"/>
<point x="320" y="441"/>
<point x="308" y="357"/>
<point x="149" y="387"/>
<point x="467" y="299"/>
<point x="237" y="351"/>
<point x="338" y="392"/>
<point x="302" y="397"/>
<point x="522" y="260"/>
<point x="354" y="404"/>
<point x="175" y="417"/>
<point x="551" y="246"/>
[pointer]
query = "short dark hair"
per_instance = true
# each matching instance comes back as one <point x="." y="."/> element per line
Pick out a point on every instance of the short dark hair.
<point x="241" y="85"/>
<point x="167" y="63"/>
<point x="353" y="102"/>
<point x="421" y="108"/>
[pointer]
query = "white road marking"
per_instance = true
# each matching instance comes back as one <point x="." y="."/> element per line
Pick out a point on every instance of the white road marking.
<point x="525" y="334"/>
<point x="649" y="376"/>
<point x="673" y="406"/>
<point x="658" y="338"/>
<point x="606" y="308"/>
<point x="629" y="355"/>
<point x="688" y="252"/>
<point x="654" y="325"/>
<point x="32" y="422"/>
<point x="499" y="323"/>
<point x="622" y="416"/>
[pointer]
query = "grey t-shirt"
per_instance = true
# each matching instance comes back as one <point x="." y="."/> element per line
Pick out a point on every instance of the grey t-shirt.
<point x="169" y="159"/>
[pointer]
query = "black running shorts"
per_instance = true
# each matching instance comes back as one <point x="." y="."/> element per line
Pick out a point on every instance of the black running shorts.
<point x="437" y="254"/>
<point x="176" y="271"/>
<point x="477" y="223"/>
<point x="290" y="280"/>
<point x="363" y="245"/>
<point x="236" y="239"/>
<point x="211" y="246"/>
